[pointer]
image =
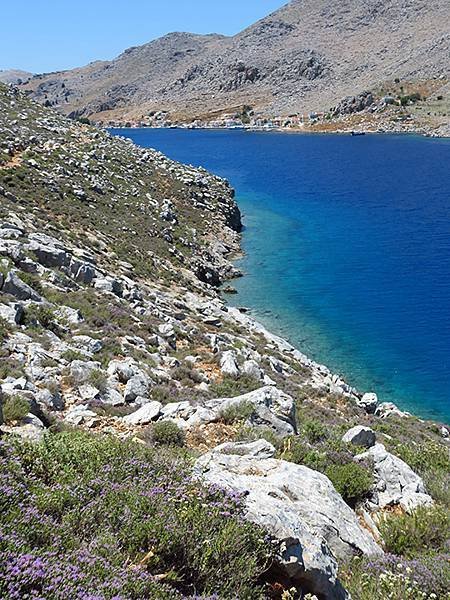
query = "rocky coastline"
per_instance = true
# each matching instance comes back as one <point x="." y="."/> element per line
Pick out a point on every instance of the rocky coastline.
<point x="112" y="322"/>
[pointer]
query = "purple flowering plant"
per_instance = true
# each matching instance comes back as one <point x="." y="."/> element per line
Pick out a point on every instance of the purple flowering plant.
<point x="93" y="518"/>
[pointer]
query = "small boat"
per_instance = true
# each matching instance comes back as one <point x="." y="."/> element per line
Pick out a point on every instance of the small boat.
<point x="355" y="133"/>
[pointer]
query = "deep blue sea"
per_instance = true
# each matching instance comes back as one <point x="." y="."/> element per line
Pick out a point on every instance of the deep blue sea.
<point x="347" y="249"/>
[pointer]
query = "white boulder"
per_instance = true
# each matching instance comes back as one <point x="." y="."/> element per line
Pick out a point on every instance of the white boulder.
<point x="228" y="364"/>
<point x="272" y="408"/>
<point x="368" y="402"/>
<point x="389" y="409"/>
<point x="298" y="506"/>
<point x="137" y="386"/>
<point x="360" y="436"/>
<point x="144" y="415"/>
<point x="395" y="482"/>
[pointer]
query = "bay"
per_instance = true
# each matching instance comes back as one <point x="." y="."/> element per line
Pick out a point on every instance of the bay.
<point x="347" y="249"/>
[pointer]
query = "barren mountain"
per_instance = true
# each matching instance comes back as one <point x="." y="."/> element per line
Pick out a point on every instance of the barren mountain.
<point x="14" y="76"/>
<point x="305" y="56"/>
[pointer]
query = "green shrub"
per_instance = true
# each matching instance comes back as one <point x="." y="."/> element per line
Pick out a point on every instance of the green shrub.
<point x="33" y="281"/>
<point x="5" y="330"/>
<point x="230" y="387"/>
<point x="352" y="481"/>
<point x="15" y="408"/>
<point x="251" y="434"/>
<point x="237" y="412"/>
<point x="164" y="394"/>
<point x="53" y="386"/>
<point x="9" y="367"/>
<point x="410" y="98"/>
<point x="425" y="456"/>
<point x="314" y="431"/>
<point x="39" y="315"/>
<point x="432" y="461"/>
<point x="395" y="578"/>
<point x="301" y="453"/>
<point x="108" y="410"/>
<point x="71" y="355"/>
<point x="426" y="529"/>
<point x="98" y="379"/>
<point x="167" y="433"/>
<point x="187" y="376"/>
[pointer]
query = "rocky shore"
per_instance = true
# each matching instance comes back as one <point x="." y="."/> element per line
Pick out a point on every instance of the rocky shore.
<point x="111" y="321"/>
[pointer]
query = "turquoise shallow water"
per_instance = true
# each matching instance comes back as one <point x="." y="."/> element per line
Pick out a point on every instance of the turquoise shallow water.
<point x="347" y="249"/>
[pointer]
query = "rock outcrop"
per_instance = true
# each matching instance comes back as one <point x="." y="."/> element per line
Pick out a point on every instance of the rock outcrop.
<point x="360" y="436"/>
<point x="298" y="506"/>
<point x="395" y="482"/>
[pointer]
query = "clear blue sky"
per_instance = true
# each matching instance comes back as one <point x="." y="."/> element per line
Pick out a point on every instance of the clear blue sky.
<point x="49" y="35"/>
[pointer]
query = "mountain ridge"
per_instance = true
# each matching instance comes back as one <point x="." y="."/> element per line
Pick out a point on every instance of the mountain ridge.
<point x="14" y="76"/>
<point x="305" y="56"/>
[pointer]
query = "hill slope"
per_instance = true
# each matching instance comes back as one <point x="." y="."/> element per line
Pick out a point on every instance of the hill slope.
<point x="305" y="56"/>
<point x="111" y="323"/>
<point x="14" y="76"/>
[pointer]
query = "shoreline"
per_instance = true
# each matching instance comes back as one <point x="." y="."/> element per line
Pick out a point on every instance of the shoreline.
<point x="298" y="131"/>
<point x="325" y="374"/>
<point x="338" y="378"/>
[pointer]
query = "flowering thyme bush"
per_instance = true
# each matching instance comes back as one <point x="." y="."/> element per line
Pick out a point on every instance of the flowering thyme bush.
<point x="93" y="518"/>
<point x="396" y="578"/>
<point x="425" y="529"/>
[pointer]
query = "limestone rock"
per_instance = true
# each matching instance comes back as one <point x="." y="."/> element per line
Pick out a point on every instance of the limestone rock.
<point x="273" y="408"/>
<point x="71" y="315"/>
<point x="123" y="369"/>
<point x="88" y="392"/>
<point x="113" y="397"/>
<point x="81" y="370"/>
<point x="298" y="506"/>
<point x="177" y="410"/>
<point x="81" y="414"/>
<point x="108" y="284"/>
<point x="31" y="429"/>
<point x="87" y="344"/>
<point x="168" y="332"/>
<point x="395" y="481"/>
<point x="49" y="252"/>
<point x="353" y="104"/>
<point x="81" y="271"/>
<point x="19" y="289"/>
<point x="12" y="313"/>
<point x="11" y="385"/>
<point x="389" y="409"/>
<point x="147" y="413"/>
<point x="49" y="399"/>
<point x="368" y="402"/>
<point x="252" y="369"/>
<point x="360" y="436"/>
<point x="136" y="386"/>
<point x="228" y="364"/>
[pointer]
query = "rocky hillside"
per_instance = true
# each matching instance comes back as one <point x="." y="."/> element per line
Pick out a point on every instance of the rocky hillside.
<point x="14" y="76"/>
<point x="117" y="349"/>
<point x="304" y="57"/>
